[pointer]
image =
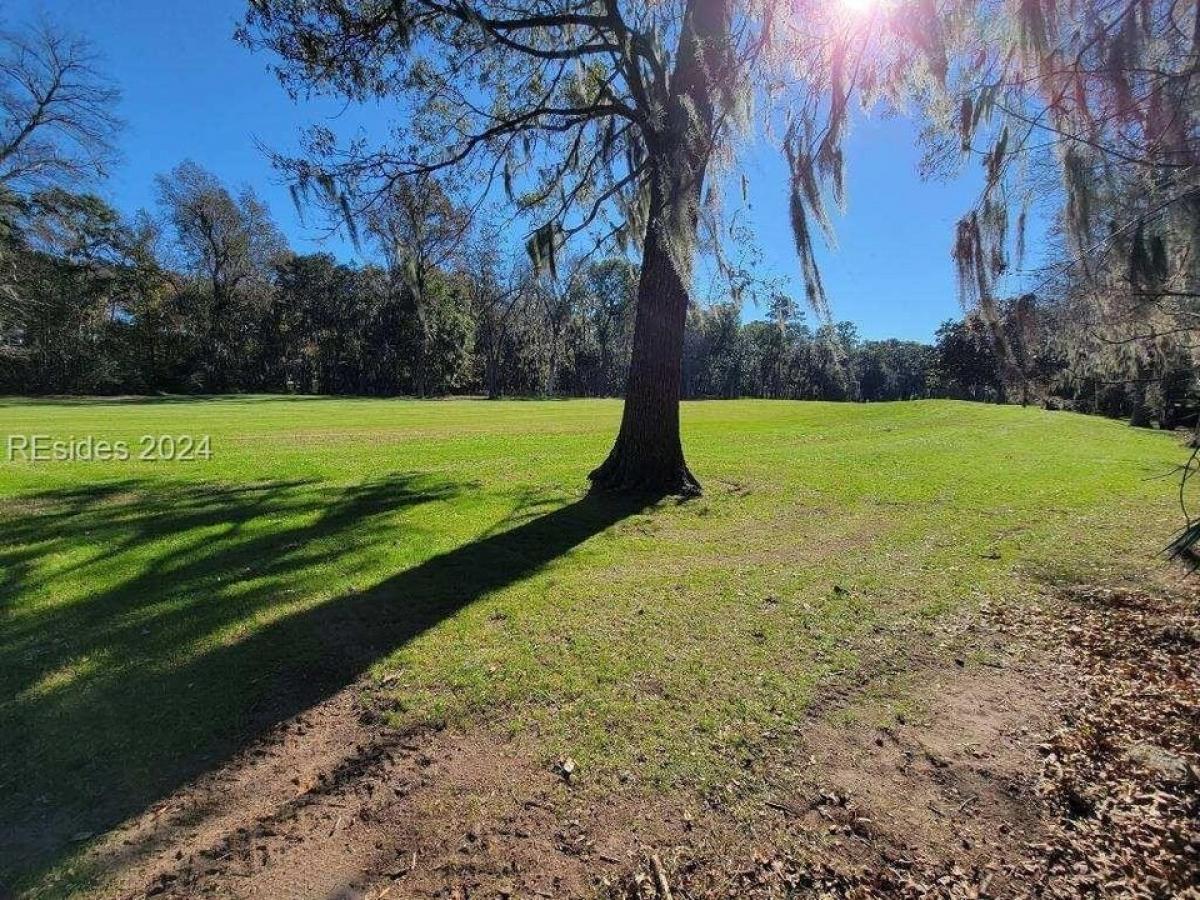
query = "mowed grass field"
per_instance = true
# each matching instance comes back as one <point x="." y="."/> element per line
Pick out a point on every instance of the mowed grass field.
<point x="155" y="615"/>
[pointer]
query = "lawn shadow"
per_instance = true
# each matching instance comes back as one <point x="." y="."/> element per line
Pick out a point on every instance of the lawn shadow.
<point x="111" y="701"/>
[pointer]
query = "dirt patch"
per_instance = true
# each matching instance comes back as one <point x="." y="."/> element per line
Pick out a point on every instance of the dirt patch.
<point x="1041" y="752"/>
<point x="954" y="789"/>
<point x="328" y="805"/>
<point x="938" y="798"/>
<point x="1070" y="770"/>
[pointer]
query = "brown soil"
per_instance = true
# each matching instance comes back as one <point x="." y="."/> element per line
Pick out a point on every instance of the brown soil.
<point x="993" y="783"/>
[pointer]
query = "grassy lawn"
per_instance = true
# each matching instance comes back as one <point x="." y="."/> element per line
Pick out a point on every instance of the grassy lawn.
<point x="154" y="615"/>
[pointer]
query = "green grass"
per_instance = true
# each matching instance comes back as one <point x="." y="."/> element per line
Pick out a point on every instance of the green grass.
<point x="153" y="616"/>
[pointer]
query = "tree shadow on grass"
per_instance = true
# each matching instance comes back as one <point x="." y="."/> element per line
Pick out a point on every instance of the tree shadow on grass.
<point x="112" y="699"/>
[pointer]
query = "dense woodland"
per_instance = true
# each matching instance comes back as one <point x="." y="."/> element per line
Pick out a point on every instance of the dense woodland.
<point x="202" y="295"/>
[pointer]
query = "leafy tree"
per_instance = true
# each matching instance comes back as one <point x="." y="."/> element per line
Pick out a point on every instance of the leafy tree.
<point x="157" y="347"/>
<point x="604" y="117"/>
<point x="230" y="243"/>
<point x="785" y="316"/>
<point x="451" y="347"/>
<point x="421" y="232"/>
<point x="583" y="107"/>
<point x="318" y="318"/>
<point x="968" y="367"/>
<point x="603" y="297"/>
<point x="892" y="370"/>
<point x="830" y="376"/>
<point x="81" y="270"/>
<point x="715" y="352"/>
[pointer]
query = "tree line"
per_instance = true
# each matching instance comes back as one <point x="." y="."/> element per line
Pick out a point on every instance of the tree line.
<point x="205" y="296"/>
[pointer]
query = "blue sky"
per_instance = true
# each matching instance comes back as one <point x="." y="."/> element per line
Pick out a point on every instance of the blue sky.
<point x="190" y="92"/>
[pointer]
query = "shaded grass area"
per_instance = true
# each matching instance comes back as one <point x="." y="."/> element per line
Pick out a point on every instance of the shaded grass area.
<point x="154" y="616"/>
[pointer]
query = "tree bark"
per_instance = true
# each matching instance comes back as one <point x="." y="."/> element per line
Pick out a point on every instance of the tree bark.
<point x="1139" y="413"/>
<point x="648" y="454"/>
<point x="422" y="360"/>
<point x="492" y="367"/>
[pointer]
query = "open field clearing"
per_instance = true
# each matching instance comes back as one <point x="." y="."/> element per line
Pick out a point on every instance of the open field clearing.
<point x="289" y="611"/>
<point x="472" y="677"/>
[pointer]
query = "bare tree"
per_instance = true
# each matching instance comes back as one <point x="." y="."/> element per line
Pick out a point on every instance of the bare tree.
<point x="57" y="121"/>
<point x="57" y="128"/>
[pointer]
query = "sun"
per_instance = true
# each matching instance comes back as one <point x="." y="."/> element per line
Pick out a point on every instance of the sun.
<point x="860" y="7"/>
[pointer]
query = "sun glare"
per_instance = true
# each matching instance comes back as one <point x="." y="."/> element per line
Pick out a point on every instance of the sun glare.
<point x="859" y="6"/>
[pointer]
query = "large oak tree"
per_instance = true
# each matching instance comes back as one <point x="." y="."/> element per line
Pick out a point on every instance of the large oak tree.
<point x="617" y="119"/>
<point x="599" y="117"/>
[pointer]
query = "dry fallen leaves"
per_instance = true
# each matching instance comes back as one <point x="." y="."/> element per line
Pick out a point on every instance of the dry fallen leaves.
<point x="1119" y="785"/>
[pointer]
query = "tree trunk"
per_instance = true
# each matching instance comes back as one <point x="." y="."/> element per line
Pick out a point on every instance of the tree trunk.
<point x="648" y="454"/>
<point x="603" y="382"/>
<point x="1139" y="408"/>
<point x="492" y="363"/>
<point x="492" y="370"/>
<point x="1139" y="413"/>
<point x="419" y="380"/>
